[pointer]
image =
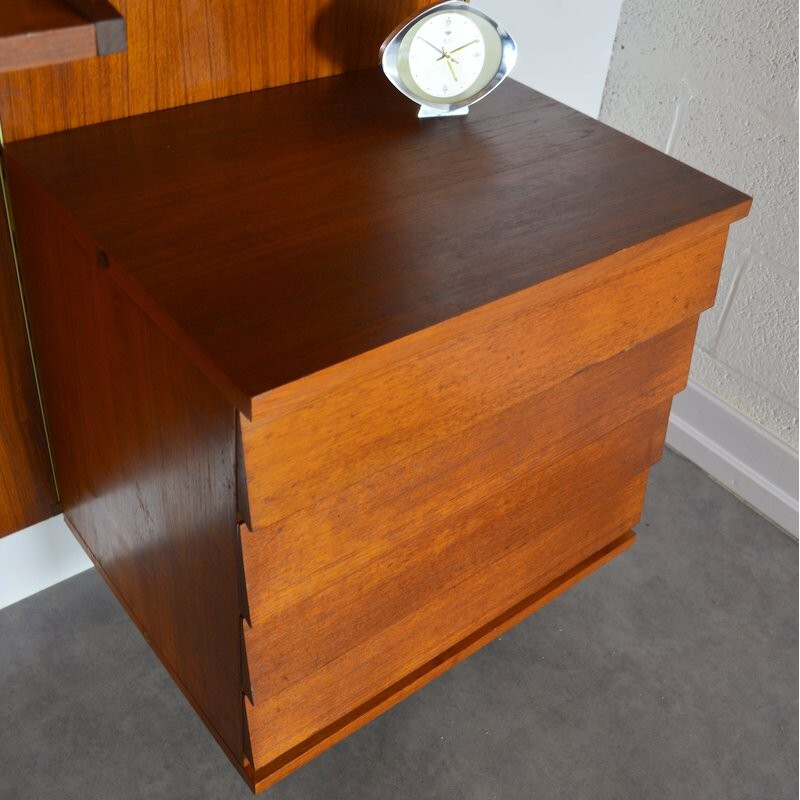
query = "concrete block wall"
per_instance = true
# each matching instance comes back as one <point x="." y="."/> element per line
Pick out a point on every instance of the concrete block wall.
<point x="714" y="84"/>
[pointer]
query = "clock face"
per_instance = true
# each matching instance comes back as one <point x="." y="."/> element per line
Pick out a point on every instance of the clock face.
<point x="448" y="57"/>
<point x="447" y="54"/>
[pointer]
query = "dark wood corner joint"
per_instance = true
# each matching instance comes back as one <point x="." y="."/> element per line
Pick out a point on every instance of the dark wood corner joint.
<point x="109" y="24"/>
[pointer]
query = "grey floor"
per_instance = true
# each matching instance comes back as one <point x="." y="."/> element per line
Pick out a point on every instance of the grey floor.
<point x="671" y="673"/>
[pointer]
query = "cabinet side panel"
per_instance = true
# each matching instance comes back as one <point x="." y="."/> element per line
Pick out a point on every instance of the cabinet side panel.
<point x="144" y="448"/>
<point x="180" y="53"/>
<point x="27" y="493"/>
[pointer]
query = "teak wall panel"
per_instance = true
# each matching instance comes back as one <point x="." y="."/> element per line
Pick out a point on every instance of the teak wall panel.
<point x="145" y="448"/>
<point x="181" y="53"/>
<point x="27" y="493"/>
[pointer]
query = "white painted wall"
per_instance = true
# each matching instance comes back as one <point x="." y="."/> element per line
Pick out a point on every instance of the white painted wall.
<point x="564" y="51"/>
<point x="564" y="45"/>
<point x="38" y="557"/>
<point x="715" y="85"/>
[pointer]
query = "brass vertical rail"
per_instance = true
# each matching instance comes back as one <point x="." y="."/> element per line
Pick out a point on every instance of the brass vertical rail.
<point x="12" y="236"/>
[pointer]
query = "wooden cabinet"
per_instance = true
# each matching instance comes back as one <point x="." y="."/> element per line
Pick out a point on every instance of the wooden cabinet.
<point x="338" y="395"/>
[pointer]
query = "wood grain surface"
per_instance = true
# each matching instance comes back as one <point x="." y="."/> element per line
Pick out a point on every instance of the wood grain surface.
<point x="360" y="608"/>
<point x="40" y="32"/>
<point x="37" y="33"/>
<point x="145" y="450"/>
<point x="487" y="558"/>
<point x="180" y="52"/>
<point x="311" y="238"/>
<point x="27" y="492"/>
<point x="266" y="775"/>
<point x="361" y="519"/>
<point x="347" y="432"/>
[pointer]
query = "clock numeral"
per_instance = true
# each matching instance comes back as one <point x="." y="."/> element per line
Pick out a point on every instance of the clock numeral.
<point x="445" y="88"/>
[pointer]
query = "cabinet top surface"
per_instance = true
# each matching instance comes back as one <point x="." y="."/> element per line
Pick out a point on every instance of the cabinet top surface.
<point x="287" y="230"/>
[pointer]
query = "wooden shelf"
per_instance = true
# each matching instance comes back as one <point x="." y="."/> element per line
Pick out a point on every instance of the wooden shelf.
<point x="36" y="33"/>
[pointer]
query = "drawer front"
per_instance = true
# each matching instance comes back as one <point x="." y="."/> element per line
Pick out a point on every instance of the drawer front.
<point x="288" y="710"/>
<point x="360" y="521"/>
<point x="319" y="649"/>
<point x="299" y="451"/>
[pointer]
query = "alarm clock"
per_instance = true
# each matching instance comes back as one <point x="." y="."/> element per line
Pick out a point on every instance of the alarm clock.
<point x="448" y="57"/>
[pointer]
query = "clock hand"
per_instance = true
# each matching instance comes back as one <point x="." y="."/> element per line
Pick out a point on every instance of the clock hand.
<point x="450" y="64"/>
<point x="447" y="55"/>
<point x="468" y="44"/>
<point x="444" y="54"/>
<point x="430" y="44"/>
<point x="455" y="50"/>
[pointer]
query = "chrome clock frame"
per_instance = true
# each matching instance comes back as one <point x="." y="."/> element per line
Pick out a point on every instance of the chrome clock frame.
<point x="390" y="57"/>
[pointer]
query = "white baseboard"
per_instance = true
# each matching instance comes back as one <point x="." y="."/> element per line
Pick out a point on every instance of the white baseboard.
<point x="743" y="457"/>
<point x="37" y="557"/>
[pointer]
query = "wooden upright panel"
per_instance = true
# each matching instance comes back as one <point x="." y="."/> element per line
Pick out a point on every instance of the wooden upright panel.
<point x="181" y="53"/>
<point x="27" y="492"/>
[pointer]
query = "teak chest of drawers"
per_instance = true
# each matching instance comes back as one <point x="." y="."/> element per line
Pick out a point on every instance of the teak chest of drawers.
<point x="337" y="395"/>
